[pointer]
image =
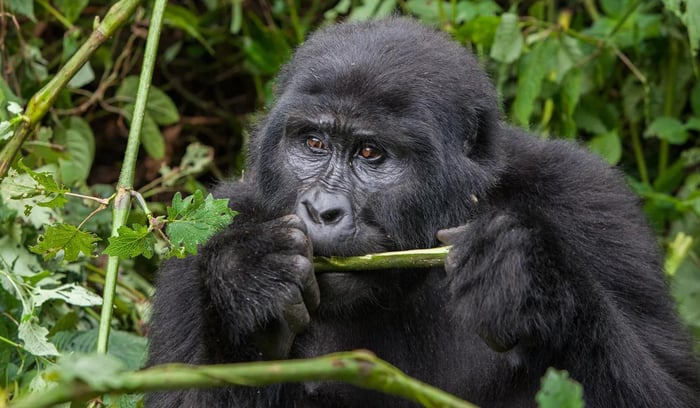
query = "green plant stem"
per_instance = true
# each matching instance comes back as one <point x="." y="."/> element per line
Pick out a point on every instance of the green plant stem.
<point x="61" y="19"/>
<point x="415" y="258"/>
<point x="360" y="368"/>
<point x="41" y="101"/>
<point x="639" y="153"/>
<point x="122" y="202"/>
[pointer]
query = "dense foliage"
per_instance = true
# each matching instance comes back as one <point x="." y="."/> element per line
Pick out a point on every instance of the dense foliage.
<point x="620" y="76"/>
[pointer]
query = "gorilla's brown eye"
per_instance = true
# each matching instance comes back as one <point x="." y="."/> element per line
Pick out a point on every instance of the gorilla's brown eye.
<point x="315" y="144"/>
<point x="370" y="153"/>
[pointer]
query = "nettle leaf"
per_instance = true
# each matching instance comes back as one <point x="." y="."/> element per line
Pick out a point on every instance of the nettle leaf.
<point x="47" y="186"/>
<point x="67" y="239"/>
<point x="608" y="146"/>
<point x="131" y="242"/>
<point x="193" y="220"/>
<point x="559" y="391"/>
<point x="34" y="337"/>
<point x="69" y="293"/>
<point x="508" y="42"/>
<point x="688" y="11"/>
<point x="669" y="129"/>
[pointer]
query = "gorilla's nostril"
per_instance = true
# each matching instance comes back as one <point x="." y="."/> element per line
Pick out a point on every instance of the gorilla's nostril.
<point x="332" y="216"/>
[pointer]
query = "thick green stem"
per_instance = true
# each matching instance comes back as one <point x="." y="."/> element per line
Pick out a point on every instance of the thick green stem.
<point x="415" y="258"/>
<point x="360" y="368"/>
<point x="40" y="103"/>
<point x="122" y="202"/>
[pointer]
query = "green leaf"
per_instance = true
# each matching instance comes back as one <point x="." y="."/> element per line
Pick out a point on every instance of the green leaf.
<point x="508" y="42"/>
<point x="150" y="136"/>
<point x="669" y="129"/>
<point x="71" y="9"/>
<point x="158" y="105"/>
<point x="533" y="69"/>
<point x="34" y="337"/>
<point x="69" y="293"/>
<point x="47" y="186"/>
<point x="608" y="146"/>
<point x="96" y="370"/>
<point x="689" y="13"/>
<point x="127" y="347"/>
<point x="184" y="19"/>
<point x="559" y="391"/>
<point x="193" y="220"/>
<point x="131" y="242"/>
<point x="84" y="76"/>
<point x="695" y="99"/>
<point x="66" y="238"/>
<point x="23" y="7"/>
<point x="76" y="135"/>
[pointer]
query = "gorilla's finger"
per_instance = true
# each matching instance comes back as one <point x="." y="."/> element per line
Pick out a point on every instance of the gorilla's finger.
<point x="309" y="286"/>
<point x="448" y="235"/>
<point x="297" y="316"/>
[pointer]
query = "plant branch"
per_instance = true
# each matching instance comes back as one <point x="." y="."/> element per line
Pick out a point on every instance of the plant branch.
<point x="359" y="368"/>
<point x="415" y="258"/>
<point x="40" y="103"/>
<point x="122" y="202"/>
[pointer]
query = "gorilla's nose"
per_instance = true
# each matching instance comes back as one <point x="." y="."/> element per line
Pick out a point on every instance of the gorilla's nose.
<point x="324" y="208"/>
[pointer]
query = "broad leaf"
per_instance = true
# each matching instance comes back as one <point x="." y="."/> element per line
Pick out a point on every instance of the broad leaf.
<point x="34" y="338"/>
<point x="193" y="220"/>
<point x="669" y="129"/>
<point x="69" y="293"/>
<point x="559" y="391"/>
<point x="508" y="43"/>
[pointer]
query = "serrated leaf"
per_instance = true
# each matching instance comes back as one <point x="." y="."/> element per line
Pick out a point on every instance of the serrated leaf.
<point x="559" y="391"/>
<point x="193" y="220"/>
<point x="508" y="42"/>
<point x="66" y="238"/>
<point x="608" y="146"/>
<point x="69" y="293"/>
<point x="131" y="242"/>
<point x="34" y="338"/>
<point x="669" y="129"/>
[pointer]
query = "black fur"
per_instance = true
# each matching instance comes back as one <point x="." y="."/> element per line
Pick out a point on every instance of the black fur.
<point x="553" y="264"/>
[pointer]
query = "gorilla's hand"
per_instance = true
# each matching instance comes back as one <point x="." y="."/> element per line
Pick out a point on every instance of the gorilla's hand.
<point x="487" y="269"/>
<point x="261" y="281"/>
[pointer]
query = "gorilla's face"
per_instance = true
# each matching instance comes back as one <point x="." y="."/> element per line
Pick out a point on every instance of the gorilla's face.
<point x="373" y="151"/>
<point x="342" y="170"/>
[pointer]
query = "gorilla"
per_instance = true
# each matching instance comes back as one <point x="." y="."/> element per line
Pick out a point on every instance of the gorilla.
<point x="387" y="135"/>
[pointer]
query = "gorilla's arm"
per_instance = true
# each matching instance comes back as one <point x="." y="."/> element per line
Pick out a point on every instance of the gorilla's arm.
<point x="242" y="298"/>
<point x="558" y="264"/>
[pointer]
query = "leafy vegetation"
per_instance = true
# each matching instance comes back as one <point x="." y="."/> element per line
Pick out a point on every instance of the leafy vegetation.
<point x="620" y="76"/>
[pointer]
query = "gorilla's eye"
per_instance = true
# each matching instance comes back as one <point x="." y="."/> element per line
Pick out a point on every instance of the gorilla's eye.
<point x="370" y="153"/>
<point x="315" y="144"/>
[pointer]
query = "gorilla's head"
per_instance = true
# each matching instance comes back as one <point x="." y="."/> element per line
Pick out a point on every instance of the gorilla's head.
<point x="381" y="135"/>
